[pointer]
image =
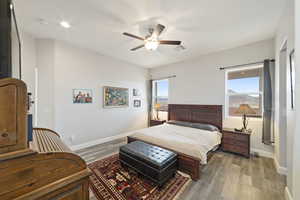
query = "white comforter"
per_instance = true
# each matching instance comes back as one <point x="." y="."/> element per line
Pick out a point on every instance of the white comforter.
<point x="190" y="141"/>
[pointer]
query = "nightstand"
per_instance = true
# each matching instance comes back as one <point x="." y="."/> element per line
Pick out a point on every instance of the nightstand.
<point x="236" y="142"/>
<point x="156" y="122"/>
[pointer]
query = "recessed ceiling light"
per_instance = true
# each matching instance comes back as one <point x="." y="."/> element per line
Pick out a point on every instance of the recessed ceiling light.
<point x="42" y="21"/>
<point x="65" y="24"/>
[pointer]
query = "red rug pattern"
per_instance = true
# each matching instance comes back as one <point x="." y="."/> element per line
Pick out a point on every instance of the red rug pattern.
<point x="111" y="181"/>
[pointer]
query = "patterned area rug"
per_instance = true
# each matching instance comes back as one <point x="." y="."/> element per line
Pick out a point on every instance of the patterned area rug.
<point x="111" y="181"/>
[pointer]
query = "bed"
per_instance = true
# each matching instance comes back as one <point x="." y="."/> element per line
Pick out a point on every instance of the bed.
<point x="193" y="146"/>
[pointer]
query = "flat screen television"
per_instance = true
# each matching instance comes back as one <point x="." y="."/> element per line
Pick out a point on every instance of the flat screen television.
<point x="5" y="39"/>
<point x="10" y="43"/>
<point x="16" y="50"/>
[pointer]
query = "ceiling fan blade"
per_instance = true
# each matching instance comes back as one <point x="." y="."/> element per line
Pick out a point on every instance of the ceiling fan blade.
<point x="138" y="47"/>
<point x="133" y="36"/>
<point x="159" y="29"/>
<point x="170" y="42"/>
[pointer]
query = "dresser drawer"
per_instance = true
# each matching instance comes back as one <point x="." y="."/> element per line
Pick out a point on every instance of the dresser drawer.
<point x="236" y="149"/>
<point x="235" y="142"/>
<point x="234" y="136"/>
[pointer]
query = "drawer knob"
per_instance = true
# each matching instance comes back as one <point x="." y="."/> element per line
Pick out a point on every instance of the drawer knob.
<point x="4" y="135"/>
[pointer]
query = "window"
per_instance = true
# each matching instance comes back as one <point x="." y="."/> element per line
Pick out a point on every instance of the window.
<point x="160" y="94"/>
<point x="244" y="86"/>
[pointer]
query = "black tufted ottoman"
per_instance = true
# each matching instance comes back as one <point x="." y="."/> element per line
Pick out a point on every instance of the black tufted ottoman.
<point x="153" y="162"/>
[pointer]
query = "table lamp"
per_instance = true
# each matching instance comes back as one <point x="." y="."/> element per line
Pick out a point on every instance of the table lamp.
<point x="245" y="110"/>
<point x="156" y="108"/>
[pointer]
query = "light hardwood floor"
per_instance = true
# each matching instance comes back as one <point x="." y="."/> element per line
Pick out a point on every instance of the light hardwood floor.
<point x="225" y="177"/>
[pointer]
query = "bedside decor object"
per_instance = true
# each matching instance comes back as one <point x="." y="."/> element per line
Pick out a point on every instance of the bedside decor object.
<point x="245" y="110"/>
<point x="82" y="96"/>
<point x="236" y="142"/>
<point x="156" y="108"/>
<point x="115" y="97"/>
<point x="137" y="103"/>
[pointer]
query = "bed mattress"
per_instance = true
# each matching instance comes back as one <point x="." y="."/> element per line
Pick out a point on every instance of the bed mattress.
<point x="190" y="141"/>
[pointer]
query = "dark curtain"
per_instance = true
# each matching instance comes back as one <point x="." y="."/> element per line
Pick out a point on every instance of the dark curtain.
<point x="150" y="95"/>
<point x="268" y="100"/>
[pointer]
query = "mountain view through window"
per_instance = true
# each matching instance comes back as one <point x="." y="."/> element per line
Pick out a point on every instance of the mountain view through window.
<point x="245" y="87"/>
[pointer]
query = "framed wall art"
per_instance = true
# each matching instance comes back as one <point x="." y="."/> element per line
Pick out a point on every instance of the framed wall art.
<point x="82" y="96"/>
<point x="136" y="92"/>
<point x="115" y="97"/>
<point x="137" y="103"/>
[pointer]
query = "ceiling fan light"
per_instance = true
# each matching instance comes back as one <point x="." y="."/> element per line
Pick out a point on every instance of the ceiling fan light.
<point x="151" y="45"/>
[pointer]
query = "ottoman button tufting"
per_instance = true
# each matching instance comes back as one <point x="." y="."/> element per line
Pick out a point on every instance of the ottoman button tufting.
<point x="153" y="162"/>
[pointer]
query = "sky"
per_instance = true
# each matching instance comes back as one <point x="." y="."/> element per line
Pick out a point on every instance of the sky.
<point x="162" y="88"/>
<point x="244" y="85"/>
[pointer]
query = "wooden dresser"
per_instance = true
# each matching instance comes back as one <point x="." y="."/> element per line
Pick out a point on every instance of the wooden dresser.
<point x="44" y="169"/>
<point x="156" y="122"/>
<point x="236" y="142"/>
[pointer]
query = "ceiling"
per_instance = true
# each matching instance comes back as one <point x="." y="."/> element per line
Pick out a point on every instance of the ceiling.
<point x="204" y="26"/>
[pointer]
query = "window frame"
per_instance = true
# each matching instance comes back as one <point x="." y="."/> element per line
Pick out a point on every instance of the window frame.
<point x="261" y="92"/>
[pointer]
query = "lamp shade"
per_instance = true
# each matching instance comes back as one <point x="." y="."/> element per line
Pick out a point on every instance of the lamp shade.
<point x="245" y="109"/>
<point x="157" y="106"/>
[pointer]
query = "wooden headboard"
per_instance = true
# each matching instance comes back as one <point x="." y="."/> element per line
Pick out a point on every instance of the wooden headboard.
<point x="210" y="114"/>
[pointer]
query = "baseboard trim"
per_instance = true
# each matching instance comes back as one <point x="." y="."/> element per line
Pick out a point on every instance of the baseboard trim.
<point x="96" y="142"/>
<point x="280" y="169"/>
<point x="287" y="193"/>
<point x="262" y="153"/>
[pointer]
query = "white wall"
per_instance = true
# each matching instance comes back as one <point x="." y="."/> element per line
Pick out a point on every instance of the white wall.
<point x="200" y="81"/>
<point x="28" y="61"/>
<point x="62" y="68"/>
<point x="45" y="97"/>
<point x="284" y="136"/>
<point x="81" y="68"/>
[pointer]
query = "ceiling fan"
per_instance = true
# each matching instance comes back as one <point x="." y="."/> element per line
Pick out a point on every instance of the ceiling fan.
<point x="151" y="42"/>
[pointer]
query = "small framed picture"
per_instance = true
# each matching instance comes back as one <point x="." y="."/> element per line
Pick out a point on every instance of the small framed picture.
<point x="136" y="92"/>
<point x="82" y="96"/>
<point x="137" y="103"/>
<point x="292" y="78"/>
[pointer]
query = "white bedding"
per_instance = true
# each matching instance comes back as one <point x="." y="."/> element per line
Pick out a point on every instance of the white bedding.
<point x="190" y="141"/>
